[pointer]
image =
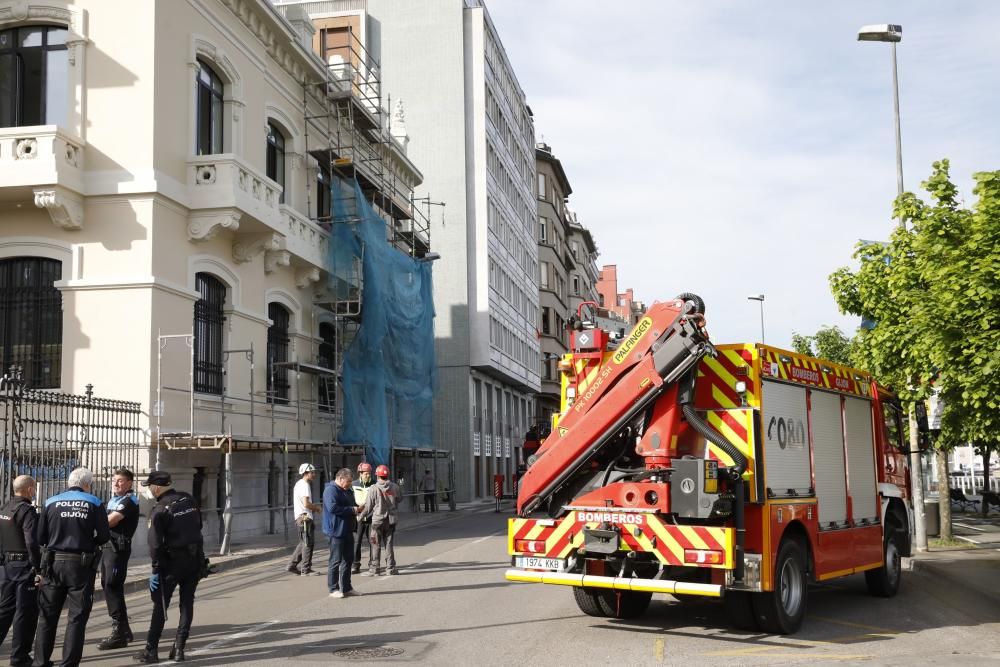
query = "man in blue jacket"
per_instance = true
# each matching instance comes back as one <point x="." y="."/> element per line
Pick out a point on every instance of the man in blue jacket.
<point x="339" y="523"/>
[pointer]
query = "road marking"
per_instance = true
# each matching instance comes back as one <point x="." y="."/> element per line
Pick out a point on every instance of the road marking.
<point x="964" y="525"/>
<point x="860" y="626"/>
<point x="658" y="646"/>
<point x="967" y="539"/>
<point x="234" y="637"/>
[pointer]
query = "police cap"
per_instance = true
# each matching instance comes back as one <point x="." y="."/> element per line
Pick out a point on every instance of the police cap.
<point x="158" y="477"/>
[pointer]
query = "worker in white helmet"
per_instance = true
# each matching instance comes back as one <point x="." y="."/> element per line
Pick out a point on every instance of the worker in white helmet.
<point x="302" y="511"/>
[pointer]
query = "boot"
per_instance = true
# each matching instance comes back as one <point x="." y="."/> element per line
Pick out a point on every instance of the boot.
<point x="117" y="639"/>
<point x="147" y="655"/>
<point x="127" y="632"/>
<point x="177" y="650"/>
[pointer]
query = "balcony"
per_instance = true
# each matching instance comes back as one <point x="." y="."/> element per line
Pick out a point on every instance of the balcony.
<point x="44" y="164"/>
<point x="225" y="193"/>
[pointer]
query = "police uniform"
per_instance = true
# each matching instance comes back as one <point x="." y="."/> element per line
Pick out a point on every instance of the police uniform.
<point x="72" y="527"/>
<point x="20" y="562"/>
<point x="114" y="568"/>
<point x="176" y="548"/>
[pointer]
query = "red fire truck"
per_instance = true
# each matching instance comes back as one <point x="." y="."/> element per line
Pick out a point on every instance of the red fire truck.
<point x="736" y="471"/>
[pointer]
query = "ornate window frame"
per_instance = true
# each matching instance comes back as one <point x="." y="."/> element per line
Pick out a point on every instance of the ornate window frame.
<point x="233" y="106"/>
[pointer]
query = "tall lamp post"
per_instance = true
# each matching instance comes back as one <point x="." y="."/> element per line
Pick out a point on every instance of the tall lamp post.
<point x="890" y="33"/>
<point x="893" y="33"/>
<point x="759" y="298"/>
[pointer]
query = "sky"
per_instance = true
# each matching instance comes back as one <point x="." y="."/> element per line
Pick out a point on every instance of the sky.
<point x="736" y="148"/>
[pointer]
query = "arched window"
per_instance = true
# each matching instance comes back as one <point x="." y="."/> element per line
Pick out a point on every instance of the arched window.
<point x="327" y="358"/>
<point x="33" y="76"/>
<point x="31" y="319"/>
<point x="276" y="157"/>
<point x="210" y="111"/>
<point x="277" y="353"/>
<point x="208" y="321"/>
<point x="323" y="193"/>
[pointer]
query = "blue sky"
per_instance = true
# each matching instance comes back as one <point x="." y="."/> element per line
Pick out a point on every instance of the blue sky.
<point x="730" y="148"/>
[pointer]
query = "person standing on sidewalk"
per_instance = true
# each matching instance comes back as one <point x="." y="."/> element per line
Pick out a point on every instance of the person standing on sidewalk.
<point x="71" y="528"/>
<point x="123" y="518"/>
<point x="360" y="487"/>
<point x="21" y="560"/>
<point x="177" y="551"/>
<point x="381" y="509"/>
<point x="339" y="523"/>
<point x="302" y="512"/>
<point x="429" y="487"/>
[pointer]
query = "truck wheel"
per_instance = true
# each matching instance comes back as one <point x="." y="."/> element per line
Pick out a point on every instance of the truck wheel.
<point x="739" y="610"/>
<point x="884" y="582"/>
<point x="782" y="610"/>
<point x="589" y="601"/>
<point x="625" y="604"/>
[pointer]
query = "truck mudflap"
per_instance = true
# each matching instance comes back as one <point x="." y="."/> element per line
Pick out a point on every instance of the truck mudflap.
<point x="617" y="583"/>
<point x="644" y="532"/>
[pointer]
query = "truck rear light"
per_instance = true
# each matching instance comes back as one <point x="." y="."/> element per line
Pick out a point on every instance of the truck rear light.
<point x="704" y="557"/>
<point x="529" y="546"/>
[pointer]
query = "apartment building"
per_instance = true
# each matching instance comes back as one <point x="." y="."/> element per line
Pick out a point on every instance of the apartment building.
<point x="165" y="217"/>
<point x="584" y="274"/>
<point x="624" y="303"/>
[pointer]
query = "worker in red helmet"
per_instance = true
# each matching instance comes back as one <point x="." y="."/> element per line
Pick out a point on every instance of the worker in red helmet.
<point x="362" y="483"/>
<point x="381" y="509"/>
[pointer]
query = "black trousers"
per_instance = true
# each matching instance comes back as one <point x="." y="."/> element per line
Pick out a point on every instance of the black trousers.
<point x="302" y="557"/>
<point x="114" y="568"/>
<point x="430" y="501"/>
<point x="69" y="583"/>
<point x="361" y="537"/>
<point x="18" y="605"/>
<point x="183" y="576"/>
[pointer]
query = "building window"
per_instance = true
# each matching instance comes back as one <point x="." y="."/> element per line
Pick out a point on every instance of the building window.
<point x="210" y="111"/>
<point x="276" y="158"/>
<point x="208" y="321"/>
<point x="33" y="76"/>
<point x="541" y="186"/>
<point x="31" y="319"/>
<point x="327" y="358"/>
<point x="543" y="275"/>
<point x="323" y="193"/>
<point x="277" y="353"/>
<point x="546" y="327"/>
<point x="543" y="225"/>
<point x="576" y="285"/>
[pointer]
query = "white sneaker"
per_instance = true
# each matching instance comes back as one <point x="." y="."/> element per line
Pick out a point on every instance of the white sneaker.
<point x="337" y="594"/>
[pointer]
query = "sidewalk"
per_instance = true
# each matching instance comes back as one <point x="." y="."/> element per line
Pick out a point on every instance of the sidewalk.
<point x="267" y="547"/>
<point x="974" y="569"/>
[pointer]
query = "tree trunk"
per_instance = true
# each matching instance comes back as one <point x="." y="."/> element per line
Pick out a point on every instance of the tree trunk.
<point x="916" y="488"/>
<point x="944" y="493"/>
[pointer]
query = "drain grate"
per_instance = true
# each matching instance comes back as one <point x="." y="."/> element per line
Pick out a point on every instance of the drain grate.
<point x="367" y="652"/>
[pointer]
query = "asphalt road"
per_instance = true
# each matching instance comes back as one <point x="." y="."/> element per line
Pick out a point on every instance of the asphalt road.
<point x="451" y="606"/>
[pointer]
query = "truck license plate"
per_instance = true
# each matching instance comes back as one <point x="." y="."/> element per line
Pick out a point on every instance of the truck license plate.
<point x="532" y="563"/>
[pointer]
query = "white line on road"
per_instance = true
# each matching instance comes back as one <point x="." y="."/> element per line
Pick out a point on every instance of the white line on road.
<point x="964" y="525"/>
<point x="250" y="632"/>
<point x="967" y="539"/>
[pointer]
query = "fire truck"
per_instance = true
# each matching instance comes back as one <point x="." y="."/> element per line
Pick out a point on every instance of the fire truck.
<point x="739" y="471"/>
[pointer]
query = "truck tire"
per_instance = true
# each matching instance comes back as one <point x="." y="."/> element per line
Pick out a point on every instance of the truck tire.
<point x="782" y="610"/>
<point x="739" y="610"/>
<point x="625" y="604"/>
<point x="884" y="582"/>
<point x="589" y="601"/>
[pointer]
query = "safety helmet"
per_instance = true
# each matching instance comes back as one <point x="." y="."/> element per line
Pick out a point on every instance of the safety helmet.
<point x="382" y="471"/>
<point x="306" y="467"/>
<point x="364" y="467"/>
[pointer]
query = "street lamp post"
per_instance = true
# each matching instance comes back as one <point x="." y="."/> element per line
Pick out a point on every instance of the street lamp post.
<point x="890" y="33"/>
<point x="759" y="298"/>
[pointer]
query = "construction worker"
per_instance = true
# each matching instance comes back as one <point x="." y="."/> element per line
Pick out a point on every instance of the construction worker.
<point x="123" y="518"/>
<point x="71" y="529"/>
<point x="360" y="487"/>
<point x="176" y="549"/>
<point x="302" y="511"/>
<point x="380" y="509"/>
<point x="21" y="560"/>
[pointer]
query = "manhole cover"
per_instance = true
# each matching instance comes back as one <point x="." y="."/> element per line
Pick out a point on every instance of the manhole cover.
<point x="367" y="652"/>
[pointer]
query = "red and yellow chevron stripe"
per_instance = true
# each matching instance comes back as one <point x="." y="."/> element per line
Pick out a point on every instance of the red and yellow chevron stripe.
<point x="645" y="532"/>
<point x="794" y="367"/>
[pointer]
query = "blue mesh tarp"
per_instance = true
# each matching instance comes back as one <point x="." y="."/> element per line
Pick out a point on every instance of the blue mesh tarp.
<point x="389" y="371"/>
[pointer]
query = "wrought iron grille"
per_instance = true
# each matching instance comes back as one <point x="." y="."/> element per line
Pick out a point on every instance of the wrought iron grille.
<point x="47" y="434"/>
<point x="277" y="352"/>
<point x="208" y="320"/>
<point x="31" y="319"/>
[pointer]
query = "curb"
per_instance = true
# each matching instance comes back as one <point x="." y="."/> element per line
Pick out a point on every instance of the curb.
<point x="934" y="568"/>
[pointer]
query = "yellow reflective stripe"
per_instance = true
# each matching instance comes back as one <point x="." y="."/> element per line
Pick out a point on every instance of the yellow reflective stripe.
<point x="721" y="398"/>
<point x="720" y="371"/>
<point x="564" y="527"/>
<point x="692" y="537"/>
<point x="536" y="530"/>
<point x="667" y="540"/>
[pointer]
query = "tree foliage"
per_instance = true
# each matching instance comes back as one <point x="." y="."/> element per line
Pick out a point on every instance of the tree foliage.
<point x="933" y="293"/>
<point x="827" y="343"/>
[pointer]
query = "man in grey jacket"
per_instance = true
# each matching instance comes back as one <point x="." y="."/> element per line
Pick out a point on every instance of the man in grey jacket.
<point x="381" y="503"/>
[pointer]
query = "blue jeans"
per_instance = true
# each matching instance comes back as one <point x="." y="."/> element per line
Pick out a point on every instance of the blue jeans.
<point x="338" y="573"/>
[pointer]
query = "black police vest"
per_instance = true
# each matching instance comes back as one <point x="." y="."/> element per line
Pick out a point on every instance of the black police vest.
<point x="11" y="533"/>
<point x="184" y="527"/>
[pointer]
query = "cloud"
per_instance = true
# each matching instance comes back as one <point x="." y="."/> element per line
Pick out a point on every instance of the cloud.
<point x="734" y="148"/>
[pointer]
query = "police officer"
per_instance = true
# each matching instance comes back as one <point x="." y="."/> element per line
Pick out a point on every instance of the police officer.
<point x="20" y="563"/>
<point x="123" y="517"/>
<point x="177" y="551"/>
<point x="71" y="528"/>
<point x="360" y="488"/>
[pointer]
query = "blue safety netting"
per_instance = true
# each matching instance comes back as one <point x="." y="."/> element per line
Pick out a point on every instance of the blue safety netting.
<point x="389" y="372"/>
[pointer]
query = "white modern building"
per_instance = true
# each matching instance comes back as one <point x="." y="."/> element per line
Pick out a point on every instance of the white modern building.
<point x="473" y="136"/>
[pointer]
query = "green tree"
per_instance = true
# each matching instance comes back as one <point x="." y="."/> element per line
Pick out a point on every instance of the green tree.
<point x="827" y="343"/>
<point x="933" y="293"/>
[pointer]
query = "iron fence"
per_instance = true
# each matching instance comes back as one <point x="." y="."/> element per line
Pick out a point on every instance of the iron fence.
<point x="47" y="434"/>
